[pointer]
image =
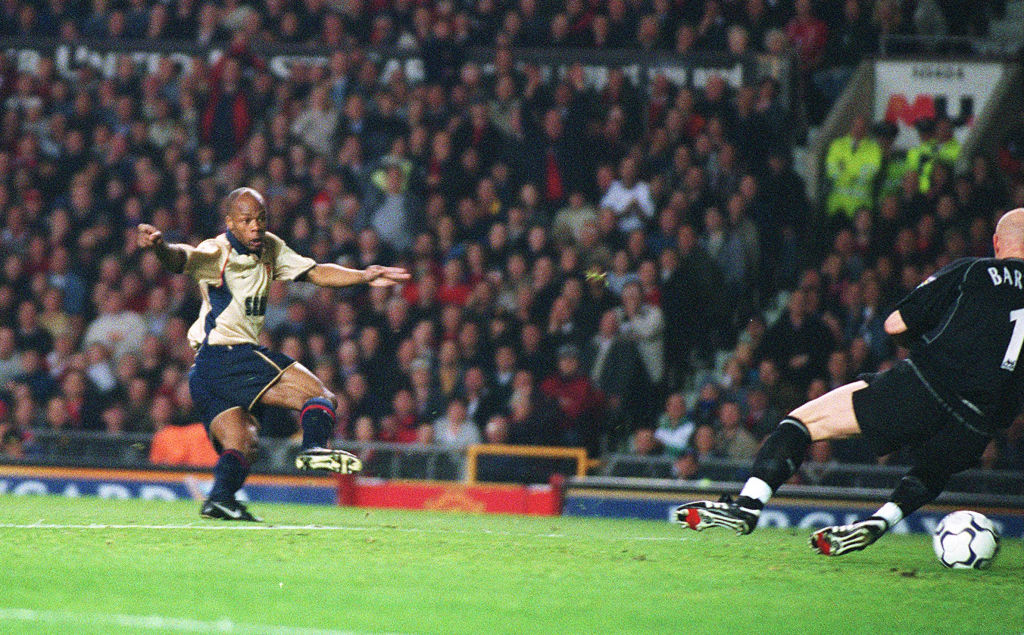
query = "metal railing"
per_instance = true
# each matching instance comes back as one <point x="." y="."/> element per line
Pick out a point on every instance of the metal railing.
<point x="844" y="475"/>
<point x="947" y="46"/>
<point x="522" y="464"/>
<point x="689" y="489"/>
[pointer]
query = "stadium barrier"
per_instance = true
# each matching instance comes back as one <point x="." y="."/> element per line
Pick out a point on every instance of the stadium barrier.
<point x="433" y="477"/>
<point x="654" y="499"/>
<point x="833" y="474"/>
<point x="798" y="506"/>
<point x="157" y="484"/>
<point x="474" y="452"/>
<point x="538" y="500"/>
<point x="437" y="463"/>
<point x="170" y="485"/>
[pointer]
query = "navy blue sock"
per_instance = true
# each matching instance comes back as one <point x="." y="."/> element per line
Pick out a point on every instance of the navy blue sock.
<point x="317" y="420"/>
<point x="228" y="475"/>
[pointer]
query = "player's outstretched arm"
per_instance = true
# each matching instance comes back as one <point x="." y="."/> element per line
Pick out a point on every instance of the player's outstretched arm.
<point x="172" y="257"/>
<point x="331" y="275"/>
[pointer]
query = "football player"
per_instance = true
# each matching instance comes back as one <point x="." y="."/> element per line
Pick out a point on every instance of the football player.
<point x="233" y="377"/>
<point x="961" y="383"/>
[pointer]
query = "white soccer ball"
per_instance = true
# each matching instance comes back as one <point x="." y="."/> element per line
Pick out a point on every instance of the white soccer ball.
<point x="966" y="540"/>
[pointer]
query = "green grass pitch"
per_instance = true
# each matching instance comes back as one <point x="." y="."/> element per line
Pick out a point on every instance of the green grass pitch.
<point x="75" y="566"/>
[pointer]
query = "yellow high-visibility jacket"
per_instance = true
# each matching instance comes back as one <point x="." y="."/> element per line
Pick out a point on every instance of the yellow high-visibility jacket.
<point x="851" y="168"/>
<point x="922" y="158"/>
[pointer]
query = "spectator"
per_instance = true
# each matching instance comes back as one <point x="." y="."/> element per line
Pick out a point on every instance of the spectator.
<point x="734" y="440"/>
<point x="500" y="468"/>
<point x="12" y="442"/>
<point x="10" y="364"/>
<point x="674" y="429"/>
<point x="691" y="305"/>
<point x="227" y="119"/>
<point x="531" y="414"/>
<point x="61" y="276"/>
<point x="644" y="325"/>
<point x="392" y="217"/>
<point x="116" y="328"/>
<point x="454" y="430"/>
<point x="174" y="444"/>
<point x="57" y="418"/>
<point x="762" y="417"/>
<point x="644" y="443"/>
<point x="30" y="333"/>
<point x="315" y="126"/>
<point x="687" y="466"/>
<point x="33" y="375"/>
<point x="365" y="432"/>
<point x="846" y="44"/>
<point x="481" y="402"/>
<point x="705" y="444"/>
<point x="629" y="198"/>
<point x="569" y="220"/>
<point x="617" y="370"/>
<point x="819" y="468"/>
<point x="404" y="419"/>
<point x="808" y="34"/>
<point x="798" y="343"/>
<point x="580" y="404"/>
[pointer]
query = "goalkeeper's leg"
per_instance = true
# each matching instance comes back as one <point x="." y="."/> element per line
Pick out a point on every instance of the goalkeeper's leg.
<point x="952" y="450"/>
<point x="919" y="487"/>
<point x="830" y="416"/>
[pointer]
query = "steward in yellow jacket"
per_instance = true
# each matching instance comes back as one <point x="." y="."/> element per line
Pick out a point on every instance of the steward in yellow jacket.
<point x="937" y="144"/>
<point x="851" y="165"/>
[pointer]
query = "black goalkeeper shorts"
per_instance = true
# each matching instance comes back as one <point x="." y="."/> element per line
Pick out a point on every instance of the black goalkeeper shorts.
<point x="898" y="409"/>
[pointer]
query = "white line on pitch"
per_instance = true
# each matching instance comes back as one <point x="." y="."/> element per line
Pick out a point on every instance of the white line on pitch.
<point x="156" y="623"/>
<point x="188" y="526"/>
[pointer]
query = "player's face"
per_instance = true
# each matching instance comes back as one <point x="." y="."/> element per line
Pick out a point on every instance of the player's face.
<point x="248" y="223"/>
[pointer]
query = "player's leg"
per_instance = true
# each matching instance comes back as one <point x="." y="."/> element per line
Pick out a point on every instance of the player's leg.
<point x="830" y="416"/>
<point x="234" y="431"/>
<point x="299" y="389"/>
<point x="953" y="449"/>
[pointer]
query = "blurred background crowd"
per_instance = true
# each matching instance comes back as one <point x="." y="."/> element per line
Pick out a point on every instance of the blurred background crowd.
<point x="629" y="267"/>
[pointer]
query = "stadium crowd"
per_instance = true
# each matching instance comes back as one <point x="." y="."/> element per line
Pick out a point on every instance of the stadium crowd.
<point x="668" y="25"/>
<point x="618" y="266"/>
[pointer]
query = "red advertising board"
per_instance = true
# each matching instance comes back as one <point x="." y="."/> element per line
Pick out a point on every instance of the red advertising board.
<point x="538" y="500"/>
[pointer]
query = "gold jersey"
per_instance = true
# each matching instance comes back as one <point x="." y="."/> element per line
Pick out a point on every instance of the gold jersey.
<point x="234" y="283"/>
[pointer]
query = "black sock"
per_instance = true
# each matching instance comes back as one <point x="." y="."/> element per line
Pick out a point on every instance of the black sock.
<point x="317" y="420"/>
<point x="782" y="453"/>
<point x="228" y="475"/>
<point x="918" y="488"/>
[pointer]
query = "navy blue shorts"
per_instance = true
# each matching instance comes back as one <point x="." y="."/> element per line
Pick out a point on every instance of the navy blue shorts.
<point x="225" y="377"/>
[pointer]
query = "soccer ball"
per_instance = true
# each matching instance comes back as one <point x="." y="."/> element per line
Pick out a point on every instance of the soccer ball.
<point x="966" y="540"/>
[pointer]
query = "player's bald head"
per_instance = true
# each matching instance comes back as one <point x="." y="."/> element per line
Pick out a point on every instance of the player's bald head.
<point x="1008" y="239"/>
<point x="244" y="199"/>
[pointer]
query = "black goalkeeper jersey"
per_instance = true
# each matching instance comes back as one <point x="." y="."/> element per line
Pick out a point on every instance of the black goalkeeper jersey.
<point x="966" y="323"/>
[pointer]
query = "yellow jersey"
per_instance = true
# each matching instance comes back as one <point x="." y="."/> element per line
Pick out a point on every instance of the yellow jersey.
<point x="234" y="283"/>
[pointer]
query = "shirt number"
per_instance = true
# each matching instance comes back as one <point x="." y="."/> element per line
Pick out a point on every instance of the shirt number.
<point x="1016" y="340"/>
<point x="257" y="305"/>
